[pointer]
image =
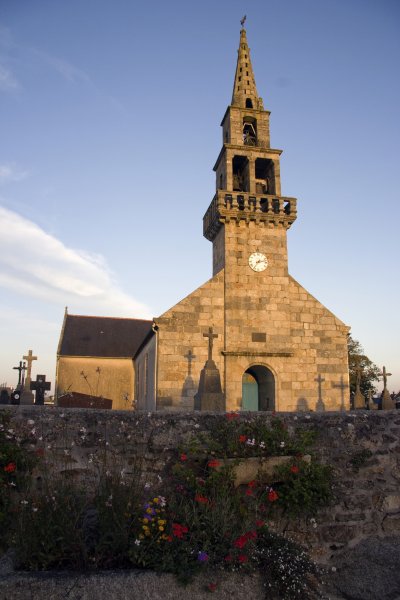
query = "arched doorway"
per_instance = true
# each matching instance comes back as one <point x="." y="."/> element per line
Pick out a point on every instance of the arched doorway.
<point x="258" y="389"/>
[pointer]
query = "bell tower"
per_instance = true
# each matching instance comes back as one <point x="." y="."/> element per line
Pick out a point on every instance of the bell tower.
<point x="248" y="186"/>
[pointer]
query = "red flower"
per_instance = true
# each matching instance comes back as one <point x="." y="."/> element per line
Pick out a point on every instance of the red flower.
<point x="231" y="416"/>
<point x="169" y="538"/>
<point x="260" y="523"/>
<point x="10" y="468"/>
<point x="201" y="499"/>
<point x="242" y="438"/>
<point x="294" y="469"/>
<point x="212" y="587"/>
<point x="272" y="495"/>
<point x="179" y="530"/>
<point x="243" y="558"/>
<point x="251" y="535"/>
<point x="213" y="463"/>
<point x="240" y="542"/>
<point x="251" y="484"/>
<point x="183" y="457"/>
<point x="249" y="492"/>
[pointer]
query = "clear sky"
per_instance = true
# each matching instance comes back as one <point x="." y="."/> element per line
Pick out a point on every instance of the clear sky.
<point x="109" y="129"/>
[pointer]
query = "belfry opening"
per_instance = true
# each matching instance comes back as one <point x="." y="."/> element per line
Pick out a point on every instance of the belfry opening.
<point x="258" y="389"/>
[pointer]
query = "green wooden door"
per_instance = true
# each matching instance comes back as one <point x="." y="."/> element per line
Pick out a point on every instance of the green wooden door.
<point x="249" y="392"/>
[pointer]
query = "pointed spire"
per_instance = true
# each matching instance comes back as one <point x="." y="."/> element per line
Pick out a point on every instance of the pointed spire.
<point x="244" y="90"/>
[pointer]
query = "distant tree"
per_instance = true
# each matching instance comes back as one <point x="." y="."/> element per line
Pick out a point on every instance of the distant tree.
<point x="370" y="372"/>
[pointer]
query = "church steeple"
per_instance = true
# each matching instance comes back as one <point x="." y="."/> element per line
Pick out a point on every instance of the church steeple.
<point x="245" y="93"/>
<point x="248" y="182"/>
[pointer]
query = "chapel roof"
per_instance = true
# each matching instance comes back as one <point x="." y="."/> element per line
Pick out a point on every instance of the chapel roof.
<point x="102" y="336"/>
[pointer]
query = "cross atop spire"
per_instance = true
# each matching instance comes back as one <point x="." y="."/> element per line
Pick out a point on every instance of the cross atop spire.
<point x="245" y="92"/>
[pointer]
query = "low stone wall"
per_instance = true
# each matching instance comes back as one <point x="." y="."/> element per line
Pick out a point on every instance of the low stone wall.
<point x="356" y="538"/>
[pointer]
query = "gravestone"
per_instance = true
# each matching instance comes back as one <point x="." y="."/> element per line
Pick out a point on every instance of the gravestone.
<point x="27" y="396"/>
<point x="209" y="395"/>
<point x="40" y="386"/>
<point x="387" y="401"/>
<point x="4" y="397"/>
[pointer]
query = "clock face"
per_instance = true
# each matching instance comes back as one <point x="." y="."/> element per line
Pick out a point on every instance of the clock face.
<point x="258" y="261"/>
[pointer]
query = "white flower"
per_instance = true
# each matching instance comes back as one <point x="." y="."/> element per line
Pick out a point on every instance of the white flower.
<point x="282" y="444"/>
<point x="24" y="502"/>
<point x="162" y="500"/>
<point x="34" y="509"/>
<point x="197" y="425"/>
<point x="137" y="542"/>
<point x="147" y="485"/>
<point x="30" y="422"/>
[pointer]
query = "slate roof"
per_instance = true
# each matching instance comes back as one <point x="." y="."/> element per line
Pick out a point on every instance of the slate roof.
<point x="102" y="336"/>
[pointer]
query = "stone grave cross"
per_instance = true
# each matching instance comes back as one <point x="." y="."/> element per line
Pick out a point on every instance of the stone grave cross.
<point x="29" y="359"/>
<point x="385" y="375"/>
<point x="40" y="386"/>
<point x="210" y="335"/>
<point x="20" y="370"/>
<point x="387" y="402"/>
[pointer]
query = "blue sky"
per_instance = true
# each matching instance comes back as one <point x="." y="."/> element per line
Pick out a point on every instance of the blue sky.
<point x="109" y="125"/>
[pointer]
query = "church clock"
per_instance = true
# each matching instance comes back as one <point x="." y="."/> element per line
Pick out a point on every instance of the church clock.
<point x="258" y="261"/>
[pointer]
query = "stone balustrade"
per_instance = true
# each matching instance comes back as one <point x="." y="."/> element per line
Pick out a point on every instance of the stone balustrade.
<point x="278" y="210"/>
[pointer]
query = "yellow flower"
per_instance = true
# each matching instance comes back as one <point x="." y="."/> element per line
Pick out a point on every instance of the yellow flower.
<point x="145" y="520"/>
<point x="161" y="521"/>
<point x="147" y="532"/>
<point x="145" y="527"/>
<point x="161" y="529"/>
<point x="149" y="511"/>
<point x="155" y="500"/>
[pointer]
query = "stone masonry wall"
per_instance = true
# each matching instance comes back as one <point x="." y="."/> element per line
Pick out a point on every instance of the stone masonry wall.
<point x="366" y="488"/>
<point x="357" y="537"/>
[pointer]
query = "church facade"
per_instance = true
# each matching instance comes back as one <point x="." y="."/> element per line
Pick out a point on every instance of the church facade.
<point x="275" y="346"/>
<point x="278" y="348"/>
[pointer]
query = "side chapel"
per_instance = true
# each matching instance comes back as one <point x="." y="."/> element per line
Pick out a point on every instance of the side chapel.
<point x="275" y="346"/>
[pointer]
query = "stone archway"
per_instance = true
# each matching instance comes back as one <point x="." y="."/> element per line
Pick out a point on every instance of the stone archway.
<point x="258" y="389"/>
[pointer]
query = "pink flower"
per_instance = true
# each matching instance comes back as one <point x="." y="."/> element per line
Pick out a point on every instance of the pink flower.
<point x="183" y="457"/>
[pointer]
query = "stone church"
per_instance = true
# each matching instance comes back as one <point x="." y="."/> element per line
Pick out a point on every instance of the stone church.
<point x="275" y="346"/>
